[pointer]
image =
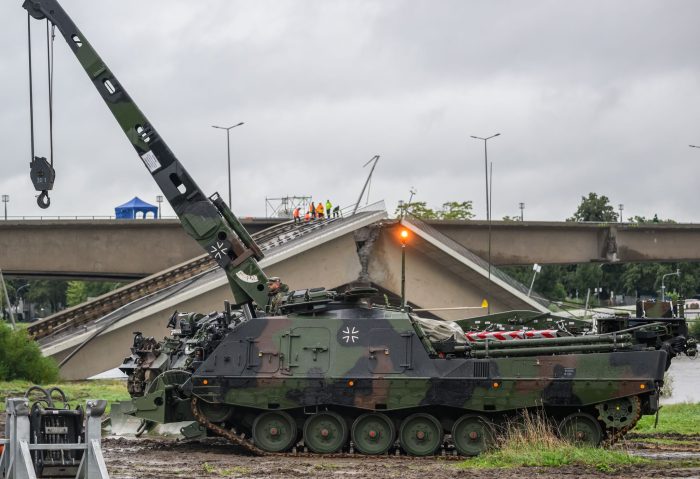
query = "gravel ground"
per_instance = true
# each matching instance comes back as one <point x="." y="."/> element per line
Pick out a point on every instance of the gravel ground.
<point x="162" y="459"/>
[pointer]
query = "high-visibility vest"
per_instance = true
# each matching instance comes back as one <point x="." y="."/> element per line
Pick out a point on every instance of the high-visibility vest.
<point x="328" y="206"/>
<point x="296" y="212"/>
<point x="319" y="209"/>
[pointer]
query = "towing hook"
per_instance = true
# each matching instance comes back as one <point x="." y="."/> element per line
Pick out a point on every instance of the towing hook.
<point x="43" y="199"/>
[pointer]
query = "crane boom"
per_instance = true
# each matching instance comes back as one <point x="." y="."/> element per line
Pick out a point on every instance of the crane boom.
<point x="206" y="219"/>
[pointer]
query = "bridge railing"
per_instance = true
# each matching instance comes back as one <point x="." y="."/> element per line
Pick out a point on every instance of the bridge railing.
<point x="482" y="263"/>
<point x="272" y="238"/>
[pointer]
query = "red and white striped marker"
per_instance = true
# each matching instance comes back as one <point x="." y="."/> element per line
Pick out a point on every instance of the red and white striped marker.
<point x="511" y="335"/>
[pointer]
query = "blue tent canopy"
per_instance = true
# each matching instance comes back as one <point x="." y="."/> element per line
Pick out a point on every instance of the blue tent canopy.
<point x="130" y="209"/>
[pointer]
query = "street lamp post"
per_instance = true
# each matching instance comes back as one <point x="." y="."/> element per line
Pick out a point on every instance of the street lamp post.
<point x="536" y="268"/>
<point x="5" y="199"/>
<point x="228" y="150"/>
<point x="522" y="208"/>
<point x="663" y="286"/>
<point x="18" y="298"/>
<point x="621" y="206"/>
<point x="159" y="200"/>
<point x="488" y="199"/>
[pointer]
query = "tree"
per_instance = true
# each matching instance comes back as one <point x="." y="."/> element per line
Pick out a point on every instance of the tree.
<point x="456" y="210"/>
<point x="595" y="208"/>
<point x="655" y="219"/>
<point x="419" y="209"/>
<point x="45" y="293"/>
<point x="78" y="292"/>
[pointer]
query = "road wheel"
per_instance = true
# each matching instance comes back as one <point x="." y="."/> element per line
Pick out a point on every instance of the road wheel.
<point x="420" y="434"/>
<point x="582" y="429"/>
<point x="373" y="433"/>
<point x="472" y="434"/>
<point x="274" y="431"/>
<point x="325" y="432"/>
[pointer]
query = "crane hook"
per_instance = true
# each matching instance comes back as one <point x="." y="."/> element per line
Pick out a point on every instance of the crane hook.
<point x="43" y="200"/>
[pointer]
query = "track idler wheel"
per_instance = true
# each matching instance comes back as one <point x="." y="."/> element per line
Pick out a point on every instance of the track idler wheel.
<point x="274" y="431"/>
<point x="373" y="433"/>
<point x="216" y="412"/>
<point x="420" y="434"/>
<point x="619" y="413"/>
<point x="581" y="429"/>
<point x="473" y="434"/>
<point x="325" y="432"/>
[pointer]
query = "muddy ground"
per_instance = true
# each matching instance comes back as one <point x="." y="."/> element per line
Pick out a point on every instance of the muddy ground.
<point x="155" y="458"/>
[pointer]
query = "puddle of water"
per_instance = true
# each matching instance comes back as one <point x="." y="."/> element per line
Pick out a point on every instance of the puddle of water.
<point x="686" y="381"/>
<point x="666" y="455"/>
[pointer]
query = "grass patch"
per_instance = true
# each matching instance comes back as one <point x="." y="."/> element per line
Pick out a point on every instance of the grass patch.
<point x="532" y="442"/>
<point x="77" y="392"/>
<point x="538" y="454"/>
<point x="673" y="419"/>
<point x="229" y="471"/>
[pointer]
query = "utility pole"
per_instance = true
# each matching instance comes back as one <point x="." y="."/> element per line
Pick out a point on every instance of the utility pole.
<point x="488" y="201"/>
<point x="228" y="149"/>
<point x="5" y="299"/>
<point x="159" y="199"/>
<point x="522" y="207"/>
<point x="5" y="199"/>
<point x="374" y="160"/>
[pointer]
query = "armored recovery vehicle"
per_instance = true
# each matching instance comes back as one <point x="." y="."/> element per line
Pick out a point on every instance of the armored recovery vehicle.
<point x="337" y="372"/>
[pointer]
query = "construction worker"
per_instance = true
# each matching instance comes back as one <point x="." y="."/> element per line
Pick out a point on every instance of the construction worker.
<point x="336" y="211"/>
<point x="295" y="215"/>
<point x="312" y="210"/>
<point x="329" y="207"/>
<point x="276" y="292"/>
<point x="307" y="217"/>
<point x="319" y="210"/>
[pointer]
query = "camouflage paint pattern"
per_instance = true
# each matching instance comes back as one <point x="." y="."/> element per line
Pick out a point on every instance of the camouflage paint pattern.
<point x="301" y="361"/>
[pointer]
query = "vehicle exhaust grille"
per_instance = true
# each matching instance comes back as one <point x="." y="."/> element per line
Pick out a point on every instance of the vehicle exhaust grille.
<point x="481" y="369"/>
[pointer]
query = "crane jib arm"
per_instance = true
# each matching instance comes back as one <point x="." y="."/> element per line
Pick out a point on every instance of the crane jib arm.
<point x="208" y="220"/>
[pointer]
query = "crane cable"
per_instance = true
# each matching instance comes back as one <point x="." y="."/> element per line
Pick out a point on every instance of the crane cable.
<point x="50" y="40"/>
<point x="31" y="90"/>
<point x="42" y="172"/>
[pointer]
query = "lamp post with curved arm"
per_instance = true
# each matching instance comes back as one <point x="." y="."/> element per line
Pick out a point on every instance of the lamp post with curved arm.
<point x="228" y="149"/>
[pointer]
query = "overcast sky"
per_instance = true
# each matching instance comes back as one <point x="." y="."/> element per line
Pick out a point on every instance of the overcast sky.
<point x="588" y="95"/>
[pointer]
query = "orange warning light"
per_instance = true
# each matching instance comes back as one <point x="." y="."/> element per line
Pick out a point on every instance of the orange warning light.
<point x="404" y="234"/>
<point x="642" y="386"/>
<point x="496" y="385"/>
<point x="351" y="383"/>
<point x="205" y="382"/>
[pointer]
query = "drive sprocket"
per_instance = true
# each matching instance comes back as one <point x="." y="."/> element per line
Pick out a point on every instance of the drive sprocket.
<point x="619" y="416"/>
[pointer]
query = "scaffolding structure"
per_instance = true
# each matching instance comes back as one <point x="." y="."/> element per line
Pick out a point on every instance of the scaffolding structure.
<point x="283" y="207"/>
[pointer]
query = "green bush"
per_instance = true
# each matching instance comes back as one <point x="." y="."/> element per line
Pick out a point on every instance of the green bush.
<point x="20" y="358"/>
<point x="694" y="327"/>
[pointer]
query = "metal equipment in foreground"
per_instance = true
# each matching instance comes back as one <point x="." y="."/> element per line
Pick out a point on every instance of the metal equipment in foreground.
<point x="43" y="440"/>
